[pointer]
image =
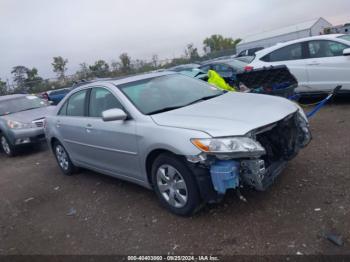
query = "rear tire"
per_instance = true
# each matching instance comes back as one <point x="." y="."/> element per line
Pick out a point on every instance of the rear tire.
<point x="63" y="159"/>
<point x="175" y="185"/>
<point x="7" y="147"/>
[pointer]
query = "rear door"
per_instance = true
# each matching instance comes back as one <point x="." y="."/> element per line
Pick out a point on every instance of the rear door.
<point x="71" y="122"/>
<point x="326" y="65"/>
<point x="293" y="57"/>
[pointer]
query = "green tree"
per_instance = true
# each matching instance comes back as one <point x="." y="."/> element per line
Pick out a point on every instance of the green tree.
<point x="218" y="43"/>
<point x="84" y="71"/>
<point x="60" y="66"/>
<point x="100" y="68"/>
<point x="125" y="62"/>
<point x="19" y="76"/>
<point x="3" y="88"/>
<point x="33" y="80"/>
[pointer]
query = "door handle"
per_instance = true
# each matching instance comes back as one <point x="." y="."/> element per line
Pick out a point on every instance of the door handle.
<point x="58" y="123"/>
<point x="88" y="128"/>
<point x="312" y="64"/>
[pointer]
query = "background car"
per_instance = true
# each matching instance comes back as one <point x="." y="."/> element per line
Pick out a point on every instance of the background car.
<point x="182" y="68"/>
<point x="169" y="132"/>
<point x="227" y="69"/>
<point x="249" y="52"/>
<point x="319" y="63"/>
<point x="55" y="96"/>
<point x="21" y="121"/>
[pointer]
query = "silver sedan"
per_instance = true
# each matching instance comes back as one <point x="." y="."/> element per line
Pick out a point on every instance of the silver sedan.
<point x="182" y="137"/>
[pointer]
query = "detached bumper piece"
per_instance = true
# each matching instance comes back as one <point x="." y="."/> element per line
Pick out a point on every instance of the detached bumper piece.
<point x="225" y="175"/>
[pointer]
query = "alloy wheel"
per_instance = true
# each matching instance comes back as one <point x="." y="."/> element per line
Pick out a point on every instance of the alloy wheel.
<point x="62" y="157"/>
<point x="172" y="186"/>
<point x="5" y="145"/>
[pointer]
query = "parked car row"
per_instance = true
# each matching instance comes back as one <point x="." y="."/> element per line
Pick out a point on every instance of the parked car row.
<point x="319" y="63"/>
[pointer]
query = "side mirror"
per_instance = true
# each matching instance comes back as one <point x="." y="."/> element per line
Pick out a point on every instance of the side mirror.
<point x="114" y="115"/>
<point x="346" y="51"/>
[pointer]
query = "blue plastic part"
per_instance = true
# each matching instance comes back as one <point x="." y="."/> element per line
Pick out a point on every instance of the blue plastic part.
<point x="225" y="175"/>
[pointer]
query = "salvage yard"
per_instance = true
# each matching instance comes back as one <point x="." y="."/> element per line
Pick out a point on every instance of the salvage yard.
<point x="44" y="212"/>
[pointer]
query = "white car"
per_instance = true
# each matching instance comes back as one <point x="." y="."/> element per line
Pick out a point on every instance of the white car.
<point x="319" y="63"/>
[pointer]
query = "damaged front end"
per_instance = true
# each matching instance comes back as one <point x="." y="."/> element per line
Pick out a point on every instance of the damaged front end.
<point x="254" y="160"/>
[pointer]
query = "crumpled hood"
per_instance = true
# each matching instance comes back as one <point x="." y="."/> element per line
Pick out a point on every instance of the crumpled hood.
<point x="231" y="114"/>
<point x="30" y="115"/>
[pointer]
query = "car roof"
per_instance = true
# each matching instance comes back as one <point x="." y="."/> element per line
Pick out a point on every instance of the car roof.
<point x="9" y="97"/>
<point x="126" y="79"/>
<point x="268" y="50"/>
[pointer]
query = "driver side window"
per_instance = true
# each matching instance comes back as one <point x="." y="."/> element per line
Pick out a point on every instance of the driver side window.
<point x="101" y="100"/>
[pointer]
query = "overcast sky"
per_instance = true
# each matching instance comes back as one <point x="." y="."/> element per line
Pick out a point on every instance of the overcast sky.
<point x="32" y="32"/>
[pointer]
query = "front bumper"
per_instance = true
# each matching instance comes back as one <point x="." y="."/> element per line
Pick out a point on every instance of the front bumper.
<point x="26" y="136"/>
<point x="282" y="141"/>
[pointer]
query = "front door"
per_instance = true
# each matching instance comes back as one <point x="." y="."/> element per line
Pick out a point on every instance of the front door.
<point x="111" y="146"/>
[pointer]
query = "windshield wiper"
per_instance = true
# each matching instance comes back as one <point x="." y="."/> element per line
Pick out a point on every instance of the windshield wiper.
<point x="204" y="98"/>
<point x="29" y="109"/>
<point x="165" y="109"/>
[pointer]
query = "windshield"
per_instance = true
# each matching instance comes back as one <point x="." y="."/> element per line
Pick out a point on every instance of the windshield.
<point x="164" y="93"/>
<point x="14" y="105"/>
<point x="345" y="37"/>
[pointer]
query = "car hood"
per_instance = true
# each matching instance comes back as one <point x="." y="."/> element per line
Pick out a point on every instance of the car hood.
<point x="30" y="115"/>
<point x="231" y="114"/>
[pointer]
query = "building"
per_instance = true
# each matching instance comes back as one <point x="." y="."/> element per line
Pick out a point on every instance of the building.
<point x="293" y="32"/>
<point x="339" y="29"/>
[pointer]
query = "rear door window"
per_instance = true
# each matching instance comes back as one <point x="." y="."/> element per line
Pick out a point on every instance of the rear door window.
<point x="76" y="104"/>
<point x="290" y="52"/>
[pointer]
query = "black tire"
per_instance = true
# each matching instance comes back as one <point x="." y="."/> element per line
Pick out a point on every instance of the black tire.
<point x="6" y="146"/>
<point x="68" y="168"/>
<point x="193" y="199"/>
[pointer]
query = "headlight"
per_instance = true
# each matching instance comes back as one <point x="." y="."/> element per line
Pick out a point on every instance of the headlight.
<point x="17" y="125"/>
<point x="305" y="135"/>
<point x="239" y="146"/>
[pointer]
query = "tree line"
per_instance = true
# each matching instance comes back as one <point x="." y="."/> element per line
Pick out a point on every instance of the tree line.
<point x="28" y="80"/>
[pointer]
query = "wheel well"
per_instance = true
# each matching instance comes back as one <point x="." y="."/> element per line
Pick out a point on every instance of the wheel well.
<point x="53" y="140"/>
<point x="150" y="159"/>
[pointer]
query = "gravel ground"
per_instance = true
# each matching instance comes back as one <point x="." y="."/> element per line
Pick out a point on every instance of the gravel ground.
<point x="44" y="212"/>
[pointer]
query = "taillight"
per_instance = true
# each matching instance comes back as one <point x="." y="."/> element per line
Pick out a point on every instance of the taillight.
<point x="248" y="68"/>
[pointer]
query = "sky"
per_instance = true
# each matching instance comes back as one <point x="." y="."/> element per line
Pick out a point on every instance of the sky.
<point x="33" y="32"/>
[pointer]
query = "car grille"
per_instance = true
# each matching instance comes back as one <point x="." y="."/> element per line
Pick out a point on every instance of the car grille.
<point x="39" y="122"/>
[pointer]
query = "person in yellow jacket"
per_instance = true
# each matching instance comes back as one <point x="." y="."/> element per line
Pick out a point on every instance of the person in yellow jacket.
<point x="215" y="79"/>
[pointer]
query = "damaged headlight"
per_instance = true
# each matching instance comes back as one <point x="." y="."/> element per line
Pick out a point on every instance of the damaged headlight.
<point x="235" y="146"/>
<point x="305" y="135"/>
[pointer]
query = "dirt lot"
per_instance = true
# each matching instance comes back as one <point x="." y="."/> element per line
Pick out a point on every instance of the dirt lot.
<point x="44" y="212"/>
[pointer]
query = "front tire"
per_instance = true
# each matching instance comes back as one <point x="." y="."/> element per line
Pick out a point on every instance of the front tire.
<point x="63" y="159"/>
<point x="7" y="147"/>
<point x="175" y="185"/>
